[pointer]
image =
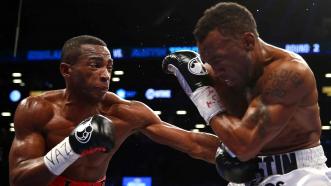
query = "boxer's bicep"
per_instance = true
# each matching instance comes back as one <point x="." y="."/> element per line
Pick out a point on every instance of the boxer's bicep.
<point x="148" y="122"/>
<point x="172" y="136"/>
<point x="26" y="148"/>
<point x="269" y="113"/>
<point x="263" y="122"/>
<point x="25" y="154"/>
<point x="29" y="144"/>
<point x="196" y="144"/>
<point x="28" y="141"/>
<point x="142" y="114"/>
<point x="168" y="134"/>
<point x="283" y="90"/>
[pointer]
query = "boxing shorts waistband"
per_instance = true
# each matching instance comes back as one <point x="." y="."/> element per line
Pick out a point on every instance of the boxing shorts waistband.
<point x="284" y="163"/>
<point x="63" y="181"/>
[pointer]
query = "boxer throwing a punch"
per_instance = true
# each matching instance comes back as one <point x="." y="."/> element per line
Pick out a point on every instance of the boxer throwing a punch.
<point x="260" y="100"/>
<point x="68" y="137"/>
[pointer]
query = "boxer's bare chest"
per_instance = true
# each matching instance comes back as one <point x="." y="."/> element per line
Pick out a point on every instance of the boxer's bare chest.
<point x="61" y="125"/>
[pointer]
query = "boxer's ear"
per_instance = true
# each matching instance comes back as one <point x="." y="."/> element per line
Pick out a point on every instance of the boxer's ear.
<point x="248" y="41"/>
<point x="65" y="69"/>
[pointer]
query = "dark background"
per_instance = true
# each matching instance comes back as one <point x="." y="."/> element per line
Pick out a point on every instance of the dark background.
<point x="47" y="24"/>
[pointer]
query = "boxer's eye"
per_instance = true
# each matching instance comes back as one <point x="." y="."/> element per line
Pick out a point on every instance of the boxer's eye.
<point x="95" y="62"/>
<point x="94" y="65"/>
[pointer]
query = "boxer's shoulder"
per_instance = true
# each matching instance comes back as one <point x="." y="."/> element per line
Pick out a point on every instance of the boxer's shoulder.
<point x="112" y="104"/>
<point x="33" y="112"/>
<point x="40" y="104"/>
<point x="287" y="78"/>
<point x="287" y="63"/>
<point x="52" y="96"/>
<point x="128" y="110"/>
<point x="111" y="100"/>
<point x="47" y="99"/>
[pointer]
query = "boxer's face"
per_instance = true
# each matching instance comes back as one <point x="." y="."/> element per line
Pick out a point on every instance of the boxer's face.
<point x="91" y="73"/>
<point x="229" y="61"/>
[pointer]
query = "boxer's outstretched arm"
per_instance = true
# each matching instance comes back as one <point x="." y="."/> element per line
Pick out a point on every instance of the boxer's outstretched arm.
<point x="26" y="164"/>
<point x="198" y="145"/>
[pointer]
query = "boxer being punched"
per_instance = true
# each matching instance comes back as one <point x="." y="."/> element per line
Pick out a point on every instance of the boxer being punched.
<point x="68" y="137"/>
<point x="260" y="100"/>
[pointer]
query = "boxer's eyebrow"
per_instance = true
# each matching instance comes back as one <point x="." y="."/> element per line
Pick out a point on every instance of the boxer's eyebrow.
<point x="100" y="59"/>
<point x="96" y="58"/>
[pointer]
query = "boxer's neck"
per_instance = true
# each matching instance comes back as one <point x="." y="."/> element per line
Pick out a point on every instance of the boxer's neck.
<point x="262" y="56"/>
<point x="75" y="103"/>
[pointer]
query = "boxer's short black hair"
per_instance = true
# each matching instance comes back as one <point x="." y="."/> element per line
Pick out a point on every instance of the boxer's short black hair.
<point x="231" y="19"/>
<point x="71" y="48"/>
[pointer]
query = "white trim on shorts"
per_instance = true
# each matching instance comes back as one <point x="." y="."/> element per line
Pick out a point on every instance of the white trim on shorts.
<point x="312" y="157"/>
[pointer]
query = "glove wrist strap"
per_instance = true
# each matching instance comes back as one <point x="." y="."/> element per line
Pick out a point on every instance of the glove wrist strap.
<point x="60" y="157"/>
<point x="207" y="102"/>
